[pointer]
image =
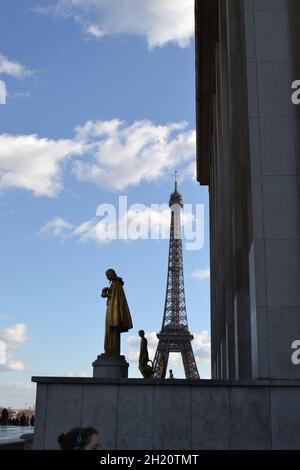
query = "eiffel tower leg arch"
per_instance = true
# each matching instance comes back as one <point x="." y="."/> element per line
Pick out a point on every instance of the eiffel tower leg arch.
<point x="179" y="343"/>
<point x="189" y="362"/>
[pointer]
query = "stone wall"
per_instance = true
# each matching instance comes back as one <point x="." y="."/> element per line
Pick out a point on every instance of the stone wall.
<point x="133" y="414"/>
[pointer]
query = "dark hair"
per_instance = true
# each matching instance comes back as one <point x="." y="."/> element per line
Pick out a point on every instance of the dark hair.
<point x="77" y="438"/>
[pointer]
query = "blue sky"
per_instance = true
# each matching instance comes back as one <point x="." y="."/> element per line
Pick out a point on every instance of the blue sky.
<point x="100" y="104"/>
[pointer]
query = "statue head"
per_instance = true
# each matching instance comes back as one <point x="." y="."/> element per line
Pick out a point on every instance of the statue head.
<point x="141" y="333"/>
<point x="110" y="274"/>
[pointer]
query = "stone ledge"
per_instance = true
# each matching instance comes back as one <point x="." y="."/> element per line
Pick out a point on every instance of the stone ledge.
<point x="167" y="382"/>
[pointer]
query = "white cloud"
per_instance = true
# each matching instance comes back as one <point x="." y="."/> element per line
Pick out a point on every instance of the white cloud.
<point x="57" y="227"/>
<point x="143" y="223"/>
<point x="15" y="334"/>
<point x="33" y="163"/>
<point x="201" y="346"/>
<point x="9" y="67"/>
<point x="17" y="366"/>
<point x="201" y="274"/>
<point x="3" y="92"/>
<point x="11" y="339"/>
<point x="61" y="228"/>
<point x="87" y="232"/>
<point x="115" y="155"/>
<point x="158" y="21"/>
<point x="125" y="155"/>
<point x="189" y="172"/>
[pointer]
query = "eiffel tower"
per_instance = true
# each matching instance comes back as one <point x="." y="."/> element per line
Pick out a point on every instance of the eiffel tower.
<point x="175" y="335"/>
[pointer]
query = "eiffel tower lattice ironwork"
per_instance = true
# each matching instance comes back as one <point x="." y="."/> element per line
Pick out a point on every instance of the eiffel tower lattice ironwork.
<point x="175" y="335"/>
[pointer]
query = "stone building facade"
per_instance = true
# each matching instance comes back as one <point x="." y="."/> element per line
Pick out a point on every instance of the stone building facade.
<point x="247" y="57"/>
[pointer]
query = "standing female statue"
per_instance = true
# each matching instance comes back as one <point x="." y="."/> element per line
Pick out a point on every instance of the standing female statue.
<point x="145" y="369"/>
<point x="118" y="319"/>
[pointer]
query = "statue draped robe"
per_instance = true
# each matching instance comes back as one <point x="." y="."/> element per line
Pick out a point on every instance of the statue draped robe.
<point x="118" y="319"/>
<point x="144" y="368"/>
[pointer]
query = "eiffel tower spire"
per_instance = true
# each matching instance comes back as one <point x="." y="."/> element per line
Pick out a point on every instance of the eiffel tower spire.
<point x="175" y="335"/>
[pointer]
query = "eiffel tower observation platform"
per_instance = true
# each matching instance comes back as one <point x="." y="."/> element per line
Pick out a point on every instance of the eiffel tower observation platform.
<point x="137" y="414"/>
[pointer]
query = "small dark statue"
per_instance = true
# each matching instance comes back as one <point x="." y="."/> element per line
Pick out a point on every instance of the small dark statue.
<point x="162" y="367"/>
<point x="145" y="369"/>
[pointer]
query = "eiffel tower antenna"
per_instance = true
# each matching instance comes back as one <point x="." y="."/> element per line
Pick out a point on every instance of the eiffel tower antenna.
<point x="175" y="335"/>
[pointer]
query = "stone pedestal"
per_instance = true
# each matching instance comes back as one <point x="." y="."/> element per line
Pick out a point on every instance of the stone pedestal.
<point x="116" y="368"/>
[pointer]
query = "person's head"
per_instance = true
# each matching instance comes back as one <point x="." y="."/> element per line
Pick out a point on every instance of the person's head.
<point x="79" y="439"/>
<point x="110" y="274"/>
<point x="141" y="333"/>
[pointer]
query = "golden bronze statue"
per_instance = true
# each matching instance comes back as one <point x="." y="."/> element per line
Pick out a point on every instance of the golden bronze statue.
<point x="118" y="319"/>
<point x="145" y="369"/>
